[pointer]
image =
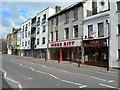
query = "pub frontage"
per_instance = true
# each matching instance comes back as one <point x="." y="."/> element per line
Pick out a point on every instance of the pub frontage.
<point x="96" y="52"/>
<point x="66" y="50"/>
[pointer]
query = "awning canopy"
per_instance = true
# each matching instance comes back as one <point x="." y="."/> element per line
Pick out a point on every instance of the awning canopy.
<point x="17" y="47"/>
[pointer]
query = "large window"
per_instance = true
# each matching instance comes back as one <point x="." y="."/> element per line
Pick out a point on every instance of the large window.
<point x="51" y="36"/>
<point x="43" y="40"/>
<point x="66" y="17"/>
<point x="119" y="29"/>
<point x="119" y="53"/>
<point x="118" y="5"/>
<point x="90" y="30"/>
<point x="76" y="31"/>
<point x="38" y="41"/>
<point x="57" y="35"/>
<point x="44" y="29"/>
<point x="100" y="29"/>
<point x="75" y="13"/>
<point x="66" y="33"/>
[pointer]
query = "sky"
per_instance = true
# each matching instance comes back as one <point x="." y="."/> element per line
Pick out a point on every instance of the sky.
<point x="13" y="14"/>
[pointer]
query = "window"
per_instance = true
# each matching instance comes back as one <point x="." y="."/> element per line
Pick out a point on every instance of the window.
<point x="67" y="17"/>
<point x="38" y="41"/>
<point x="51" y="36"/>
<point x="38" y="21"/>
<point x="94" y="7"/>
<point x="90" y="30"/>
<point x="56" y="21"/>
<point x="44" y="29"/>
<point x="38" y="30"/>
<point x="118" y="5"/>
<point x="25" y="43"/>
<point x="43" y="40"/>
<point x="52" y="22"/>
<point x="44" y="16"/>
<point x="22" y="35"/>
<point x="28" y="42"/>
<point x="66" y="33"/>
<point x="25" y="34"/>
<point x="57" y="35"/>
<point x="44" y="19"/>
<point x="119" y="29"/>
<point x="76" y="31"/>
<point x="23" y="29"/>
<point x="22" y="44"/>
<point x="118" y="53"/>
<point x="29" y="23"/>
<point x="100" y="30"/>
<point x="26" y="27"/>
<point x="75" y="13"/>
<point x="29" y="33"/>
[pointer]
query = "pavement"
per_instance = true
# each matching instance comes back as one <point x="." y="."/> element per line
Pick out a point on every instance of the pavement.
<point x="75" y="65"/>
<point x="28" y="72"/>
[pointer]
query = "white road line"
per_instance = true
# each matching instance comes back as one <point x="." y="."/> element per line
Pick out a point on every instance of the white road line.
<point x="83" y="86"/>
<point x="44" y="66"/>
<point x="97" y="78"/>
<point x="5" y="73"/>
<point x="111" y="81"/>
<point x="41" y="72"/>
<point x="53" y="76"/>
<point x="106" y="85"/>
<point x="32" y="69"/>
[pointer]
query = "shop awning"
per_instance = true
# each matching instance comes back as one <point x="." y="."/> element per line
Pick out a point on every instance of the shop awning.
<point x="17" y="47"/>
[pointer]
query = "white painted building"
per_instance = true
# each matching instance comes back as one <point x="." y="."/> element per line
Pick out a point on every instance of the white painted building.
<point x="42" y="32"/>
<point x="26" y="38"/>
<point x="114" y="33"/>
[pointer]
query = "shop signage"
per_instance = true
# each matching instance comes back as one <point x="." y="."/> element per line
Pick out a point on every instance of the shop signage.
<point x="100" y="42"/>
<point x="69" y="43"/>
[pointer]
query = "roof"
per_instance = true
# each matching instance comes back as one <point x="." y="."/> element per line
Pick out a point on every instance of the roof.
<point x="66" y="9"/>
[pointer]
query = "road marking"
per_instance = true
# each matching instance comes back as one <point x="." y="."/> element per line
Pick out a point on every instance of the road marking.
<point x="41" y="72"/>
<point x="83" y="86"/>
<point x="32" y="69"/>
<point x="97" y="78"/>
<point x="106" y="85"/>
<point x="5" y="73"/>
<point x="53" y="76"/>
<point x="111" y="81"/>
<point x="44" y="66"/>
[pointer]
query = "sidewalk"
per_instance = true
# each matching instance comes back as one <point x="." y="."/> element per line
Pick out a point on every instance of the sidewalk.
<point x="75" y="65"/>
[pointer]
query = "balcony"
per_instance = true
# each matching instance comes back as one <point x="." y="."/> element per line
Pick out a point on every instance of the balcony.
<point x="33" y="25"/>
<point x="33" y="35"/>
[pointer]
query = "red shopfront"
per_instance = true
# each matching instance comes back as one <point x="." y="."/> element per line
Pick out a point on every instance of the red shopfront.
<point x="69" y="50"/>
<point x="96" y="52"/>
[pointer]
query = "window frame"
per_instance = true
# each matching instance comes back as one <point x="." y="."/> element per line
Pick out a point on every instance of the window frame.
<point x="43" y="40"/>
<point x="118" y="5"/>
<point x="38" y="41"/>
<point x="66" y="17"/>
<point x="75" y="14"/>
<point x="89" y="35"/>
<point x="51" y="36"/>
<point x="100" y="30"/>
<point x="75" y="28"/>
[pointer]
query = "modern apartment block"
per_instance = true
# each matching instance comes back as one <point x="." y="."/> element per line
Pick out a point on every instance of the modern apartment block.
<point x="41" y="39"/>
<point x="96" y="32"/>
<point x="65" y="33"/>
<point x="26" y="38"/>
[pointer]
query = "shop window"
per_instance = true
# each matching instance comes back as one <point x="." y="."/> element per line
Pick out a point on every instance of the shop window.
<point x="38" y="41"/>
<point x="76" y="31"/>
<point x="90" y="30"/>
<point x="119" y="29"/>
<point x="25" y="43"/>
<point x="66" y="33"/>
<point x="57" y="35"/>
<point x="22" y="35"/>
<point x="75" y="13"/>
<point x="66" y="17"/>
<point x="44" y="29"/>
<point x="43" y="40"/>
<point x="119" y="53"/>
<point x="118" y="5"/>
<point x="100" y="29"/>
<point x="51" y="36"/>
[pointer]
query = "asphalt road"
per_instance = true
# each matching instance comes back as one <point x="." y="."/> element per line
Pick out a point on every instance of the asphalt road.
<point x="27" y="73"/>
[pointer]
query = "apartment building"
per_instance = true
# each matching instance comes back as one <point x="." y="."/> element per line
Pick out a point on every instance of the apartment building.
<point x="9" y="43"/>
<point x="65" y="33"/>
<point x="41" y="39"/>
<point x="96" y="31"/>
<point x="114" y="57"/>
<point x="26" y="38"/>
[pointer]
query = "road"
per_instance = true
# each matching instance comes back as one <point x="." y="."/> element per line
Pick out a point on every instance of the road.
<point x="29" y="73"/>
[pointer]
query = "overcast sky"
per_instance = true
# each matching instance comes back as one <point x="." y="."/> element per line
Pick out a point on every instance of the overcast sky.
<point x="13" y="14"/>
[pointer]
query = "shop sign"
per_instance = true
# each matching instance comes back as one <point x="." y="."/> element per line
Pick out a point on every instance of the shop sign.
<point x="102" y="42"/>
<point x="69" y="43"/>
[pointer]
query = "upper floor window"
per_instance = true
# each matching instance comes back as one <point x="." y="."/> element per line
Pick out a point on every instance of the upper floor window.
<point x="100" y="29"/>
<point x="25" y="34"/>
<point x="56" y="21"/>
<point x="75" y="12"/>
<point x="90" y="30"/>
<point x="44" y="29"/>
<point x="25" y="43"/>
<point x="22" y="44"/>
<point x="38" y="41"/>
<point x="119" y="53"/>
<point x="94" y="7"/>
<point x="22" y="35"/>
<point x="51" y="22"/>
<point x="44" y="19"/>
<point x="26" y="27"/>
<point x="118" y="5"/>
<point x="51" y="36"/>
<point x="66" y="33"/>
<point x="44" y="16"/>
<point x="29" y="33"/>
<point x="76" y="31"/>
<point x="57" y="35"/>
<point x="66" y="17"/>
<point x="43" y="40"/>
<point x="29" y="23"/>
<point x="23" y="29"/>
<point x="119" y="29"/>
<point x="28" y="42"/>
<point x="38" y="30"/>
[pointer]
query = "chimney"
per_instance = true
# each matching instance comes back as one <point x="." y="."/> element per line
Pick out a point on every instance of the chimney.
<point x="57" y="9"/>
